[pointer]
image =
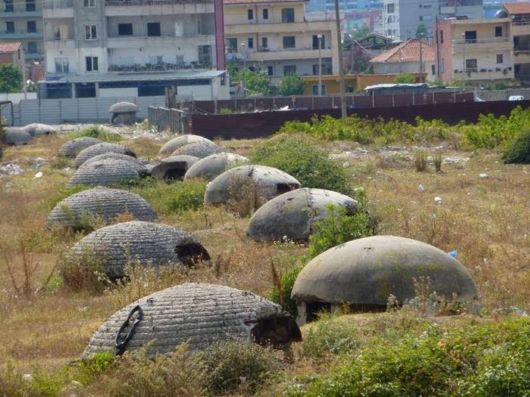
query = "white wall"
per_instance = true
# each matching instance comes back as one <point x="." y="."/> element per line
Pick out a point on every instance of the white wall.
<point x="16" y="97"/>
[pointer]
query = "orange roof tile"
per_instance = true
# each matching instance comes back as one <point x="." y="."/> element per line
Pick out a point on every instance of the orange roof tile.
<point x="9" y="47"/>
<point x="517" y="8"/>
<point x="409" y="51"/>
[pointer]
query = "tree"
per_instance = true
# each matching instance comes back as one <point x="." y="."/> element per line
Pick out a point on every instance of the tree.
<point x="256" y="83"/>
<point x="404" y="78"/>
<point x="421" y="31"/>
<point x="292" y="85"/>
<point x="361" y="32"/>
<point x="10" y="78"/>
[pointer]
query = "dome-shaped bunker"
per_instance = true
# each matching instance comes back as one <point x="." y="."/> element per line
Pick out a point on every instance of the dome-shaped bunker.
<point x="173" y="167"/>
<point x="198" y="314"/>
<point x="101" y="148"/>
<point x="16" y="136"/>
<point x="197" y="149"/>
<point x="39" y="129"/>
<point x="106" y="172"/>
<point x="172" y="145"/>
<point x="213" y="165"/>
<point x="292" y="215"/>
<point x="136" y="163"/>
<point x="103" y="203"/>
<point x="148" y="244"/>
<point x="72" y="148"/>
<point x="365" y="272"/>
<point x="248" y="187"/>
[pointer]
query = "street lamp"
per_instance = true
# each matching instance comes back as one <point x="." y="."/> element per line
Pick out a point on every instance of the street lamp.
<point x="319" y="36"/>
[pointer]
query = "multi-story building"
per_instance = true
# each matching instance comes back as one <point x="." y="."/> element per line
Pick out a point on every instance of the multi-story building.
<point x="21" y="21"/>
<point x="519" y="14"/>
<point x="133" y="48"/>
<point x="275" y="36"/>
<point x="474" y="50"/>
<point x="402" y="18"/>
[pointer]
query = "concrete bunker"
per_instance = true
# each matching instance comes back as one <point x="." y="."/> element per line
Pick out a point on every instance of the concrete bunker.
<point x="72" y="148"/>
<point x="292" y="215"/>
<point x="102" y="203"/>
<point x="101" y="148"/>
<point x="197" y="149"/>
<point x="106" y="172"/>
<point x="172" y="145"/>
<point x="123" y="113"/>
<point x="363" y="273"/>
<point x="39" y="129"/>
<point x="145" y="243"/>
<point x="16" y="136"/>
<point x="173" y="167"/>
<point x="246" y="188"/>
<point x="215" y="164"/>
<point x="199" y="314"/>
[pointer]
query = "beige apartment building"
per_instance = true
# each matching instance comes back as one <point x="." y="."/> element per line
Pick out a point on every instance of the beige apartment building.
<point x="519" y="14"/>
<point x="275" y="36"/>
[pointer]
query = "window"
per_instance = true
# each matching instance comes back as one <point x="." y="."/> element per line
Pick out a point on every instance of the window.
<point x="205" y="55"/>
<point x="315" y="69"/>
<point x="85" y="90"/>
<point x="89" y="3"/>
<point x="250" y="15"/>
<point x="498" y="31"/>
<point x="32" y="47"/>
<point x="125" y="29"/>
<point x="433" y="70"/>
<point x="10" y="27"/>
<point x="500" y="58"/>
<point x="471" y="65"/>
<point x="250" y="42"/>
<point x="153" y="29"/>
<point x="30" y="5"/>
<point x="390" y="8"/>
<point x="31" y="26"/>
<point x="270" y="70"/>
<point x="289" y="70"/>
<point x="264" y="42"/>
<point x="314" y="89"/>
<point x="289" y="42"/>
<point x="322" y="42"/>
<point x="9" y="6"/>
<point x="91" y="64"/>
<point x="90" y="32"/>
<point x="232" y="44"/>
<point x="470" y="36"/>
<point x="265" y="13"/>
<point x="441" y="36"/>
<point x="287" y="15"/>
<point x="61" y="65"/>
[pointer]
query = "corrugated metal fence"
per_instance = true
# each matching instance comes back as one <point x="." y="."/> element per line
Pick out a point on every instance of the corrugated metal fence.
<point x="174" y="120"/>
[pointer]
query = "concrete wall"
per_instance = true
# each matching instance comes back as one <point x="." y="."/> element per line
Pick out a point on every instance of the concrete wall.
<point x="16" y="97"/>
<point x="237" y="14"/>
<point x="405" y="67"/>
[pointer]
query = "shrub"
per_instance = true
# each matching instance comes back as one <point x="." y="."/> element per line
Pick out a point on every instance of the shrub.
<point x="330" y="337"/>
<point x="518" y="151"/>
<point x="95" y="131"/>
<point x="291" y="85"/>
<point x="405" y="78"/>
<point x="300" y="156"/>
<point x="83" y="272"/>
<point x="10" y="78"/>
<point x="420" y="161"/>
<point x="281" y="292"/>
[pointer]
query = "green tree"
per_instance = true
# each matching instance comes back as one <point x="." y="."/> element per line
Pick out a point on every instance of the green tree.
<point x="292" y="85"/>
<point x="256" y="83"/>
<point x="421" y="31"/>
<point x="361" y="32"/>
<point x="405" y="78"/>
<point x="10" y="78"/>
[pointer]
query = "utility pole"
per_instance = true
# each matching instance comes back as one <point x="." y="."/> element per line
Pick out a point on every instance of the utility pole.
<point x="319" y="36"/>
<point x="343" y="112"/>
<point x="421" y="54"/>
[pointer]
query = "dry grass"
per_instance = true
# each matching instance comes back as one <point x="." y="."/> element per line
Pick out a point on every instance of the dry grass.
<point x="486" y="220"/>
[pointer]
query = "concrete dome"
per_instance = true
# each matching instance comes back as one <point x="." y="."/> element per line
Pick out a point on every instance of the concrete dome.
<point x="16" y="136"/>
<point x="213" y="165"/>
<point x="146" y="243"/>
<point x="248" y="187"/>
<point x="123" y="107"/>
<point x="294" y="213"/>
<point x="136" y="163"/>
<point x="39" y="129"/>
<point x="366" y="271"/>
<point x="173" y="167"/>
<point x="106" y="172"/>
<point x="197" y="149"/>
<point x="101" y="148"/>
<point x="100" y="202"/>
<point x="198" y="314"/>
<point x="72" y="148"/>
<point x="172" y="145"/>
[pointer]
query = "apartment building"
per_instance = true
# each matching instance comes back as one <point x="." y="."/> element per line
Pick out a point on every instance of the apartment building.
<point x="519" y="14"/>
<point x="276" y="37"/>
<point x="98" y="48"/>
<point x="474" y="50"/>
<point x="21" y="21"/>
<point x="401" y="18"/>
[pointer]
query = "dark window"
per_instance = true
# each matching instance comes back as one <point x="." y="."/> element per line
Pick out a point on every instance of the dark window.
<point x="30" y="5"/>
<point x="153" y="29"/>
<point x="232" y="44"/>
<point x="91" y="64"/>
<point x="270" y="70"/>
<point x="498" y="31"/>
<point x="287" y="15"/>
<point x="441" y="36"/>
<point x="500" y="58"/>
<point x="289" y="42"/>
<point x="433" y="70"/>
<point x="61" y="65"/>
<point x="32" y="47"/>
<point x="315" y="69"/>
<point x="153" y="88"/>
<point x="9" y="6"/>
<point x="31" y="26"/>
<point x="90" y="32"/>
<point x="10" y="27"/>
<point x="265" y="13"/>
<point x="289" y="70"/>
<point x="205" y="55"/>
<point x="250" y="15"/>
<point x="264" y="42"/>
<point x="250" y="42"/>
<point x="89" y="3"/>
<point x="85" y="90"/>
<point x="125" y="29"/>
<point x="470" y="36"/>
<point x="59" y="90"/>
<point x="471" y="65"/>
<point x="315" y="42"/>
<point x="390" y="8"/>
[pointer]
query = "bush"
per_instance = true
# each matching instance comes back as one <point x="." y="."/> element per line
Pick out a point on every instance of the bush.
<point x="518" y="151"/>
<point x="330" y="337"/>
<point x="281" y="292"/>
<point x="95" y="131"/>
<point x="291" y="85"/>
<point x="10" y="78"/>
<point x="300" y="156"/>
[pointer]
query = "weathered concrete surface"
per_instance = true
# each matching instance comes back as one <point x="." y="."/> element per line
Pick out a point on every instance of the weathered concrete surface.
<point x="136" y="163"/>
<point x="197" y="149"/>
<point x="248" y="187"/>
<point x="72" y="148"/>
<point x="173" y="167"/>
<point x="123" y="107"/>
<point x="199" y="314"/>
<point x="292" y="215"/>
<point x="146" y="243"/>
<point x="211" y="166"/>
<point x="172" y="145"/>
<point x="103" y="203"/>
<point x="39" y="129"/>
<point x="101" y="148"/>
<point x="105" y="173"/>
<point x="366" y="271"/>
<point x="16" y="136"/>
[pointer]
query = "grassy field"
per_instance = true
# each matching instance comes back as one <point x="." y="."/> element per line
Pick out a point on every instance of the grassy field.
<point x="484" y="214"/>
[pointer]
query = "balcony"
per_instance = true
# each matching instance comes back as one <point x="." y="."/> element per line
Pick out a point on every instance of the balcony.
<point x="521" y="55"/>
<point x="279" y="28"/>
<point x="488" y="44"/>
<point x="283" y="54"/>
<point x="119" y="8"/>
<point x="20" y="14"/>
<point x="135" y="42"/>
<point x="20" y="35"/>
<point x="58" y="9"/>
<point x="68" y="44"/>
<point x="158" y="67"/>
<point x="484" y="74"/>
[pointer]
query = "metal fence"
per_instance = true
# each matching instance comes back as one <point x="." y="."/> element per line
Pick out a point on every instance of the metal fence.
<point x="174" y="120"/>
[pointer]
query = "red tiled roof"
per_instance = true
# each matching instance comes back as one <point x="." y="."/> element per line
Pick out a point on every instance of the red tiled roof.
<point x="517" y="8"/>
<point x="231" y="2"/>
<point x="408" y="51"/>
<point x="9" y="47"/>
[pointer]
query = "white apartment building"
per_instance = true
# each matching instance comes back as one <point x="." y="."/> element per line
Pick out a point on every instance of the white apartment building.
<point x="97" y="48"/>
<point x="275" y="36"/>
